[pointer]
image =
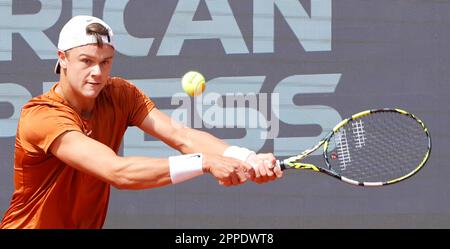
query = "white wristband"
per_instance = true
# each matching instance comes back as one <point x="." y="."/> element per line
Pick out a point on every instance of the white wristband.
<point x="185" y="167"/>
<point x="240" y="153"/>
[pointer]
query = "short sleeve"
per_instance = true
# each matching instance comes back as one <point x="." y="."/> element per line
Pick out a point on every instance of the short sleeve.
<point x="138" y="105"/>
<point x="41" y="125"/>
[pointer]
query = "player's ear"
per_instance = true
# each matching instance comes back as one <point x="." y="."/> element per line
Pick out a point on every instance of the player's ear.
<point x="62" y="59"/>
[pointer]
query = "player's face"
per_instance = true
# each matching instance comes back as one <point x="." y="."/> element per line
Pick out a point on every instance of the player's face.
<point x="88" y="68"/>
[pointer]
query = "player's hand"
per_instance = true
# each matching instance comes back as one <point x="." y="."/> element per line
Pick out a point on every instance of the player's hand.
<point x="228" y="171"/>
<point x="265" y="167"/>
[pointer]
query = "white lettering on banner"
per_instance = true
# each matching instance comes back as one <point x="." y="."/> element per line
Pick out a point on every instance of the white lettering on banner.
<point x="292" y="114"/>
<point x="17" y="96"/>
<point x="313" y="32"/>
<point x="30" y="26"/>
<point x="223" y="26"/>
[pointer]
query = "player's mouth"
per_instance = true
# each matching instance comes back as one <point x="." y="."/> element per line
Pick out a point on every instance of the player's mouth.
<point x="94" y="83"/>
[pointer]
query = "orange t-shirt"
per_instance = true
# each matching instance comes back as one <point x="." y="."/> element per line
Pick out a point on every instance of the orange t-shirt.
<point x="49" y="193"/>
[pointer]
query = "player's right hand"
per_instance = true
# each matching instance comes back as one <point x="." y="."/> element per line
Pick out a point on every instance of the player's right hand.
<point x="228" y="171"/>
<point x="265" y="167"/>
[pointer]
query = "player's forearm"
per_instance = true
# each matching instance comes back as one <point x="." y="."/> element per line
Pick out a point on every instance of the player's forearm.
<point x="140" y="173"/>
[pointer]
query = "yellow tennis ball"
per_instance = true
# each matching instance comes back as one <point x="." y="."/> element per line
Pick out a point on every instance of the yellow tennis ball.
<point x="193" y="83"/>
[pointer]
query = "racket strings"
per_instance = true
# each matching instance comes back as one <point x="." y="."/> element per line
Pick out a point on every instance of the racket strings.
<point x="378" y="148"/>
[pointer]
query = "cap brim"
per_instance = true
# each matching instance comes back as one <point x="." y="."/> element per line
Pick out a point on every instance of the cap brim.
<point x="57" y="68"/>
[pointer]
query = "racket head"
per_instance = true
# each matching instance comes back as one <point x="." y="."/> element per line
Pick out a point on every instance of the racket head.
<point x="377" y="147"/>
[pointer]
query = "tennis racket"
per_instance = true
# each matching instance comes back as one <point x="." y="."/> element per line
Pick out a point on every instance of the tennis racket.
<point x="371" y="148"/>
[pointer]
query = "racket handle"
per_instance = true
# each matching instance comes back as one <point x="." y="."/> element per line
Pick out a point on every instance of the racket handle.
<point x="280" y="163"/>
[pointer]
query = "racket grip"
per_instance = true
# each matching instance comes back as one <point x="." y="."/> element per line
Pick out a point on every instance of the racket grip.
<point x="280" y="163"/>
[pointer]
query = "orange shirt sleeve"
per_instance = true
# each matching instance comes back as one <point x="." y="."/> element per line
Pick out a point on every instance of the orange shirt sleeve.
<point x="41" y="125"/>
<point x="139" y="105"/>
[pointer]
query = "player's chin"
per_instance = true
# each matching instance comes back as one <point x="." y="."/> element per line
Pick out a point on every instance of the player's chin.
<point x="91" y="94"/>
<point x="92" y="90"/>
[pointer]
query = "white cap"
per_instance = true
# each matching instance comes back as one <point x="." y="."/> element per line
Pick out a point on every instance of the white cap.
<point x="73" y="34"/>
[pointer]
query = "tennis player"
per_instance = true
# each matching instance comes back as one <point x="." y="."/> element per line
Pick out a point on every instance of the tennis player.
<point x="68" y="139"/>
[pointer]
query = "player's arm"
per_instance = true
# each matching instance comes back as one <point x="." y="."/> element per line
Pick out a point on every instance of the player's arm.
<point x="180" y="137"/>
<point x="187" y="140"/>
<point x="94" y="158"/>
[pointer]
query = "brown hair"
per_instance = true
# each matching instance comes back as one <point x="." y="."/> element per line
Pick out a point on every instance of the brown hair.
<point x="98" y="30"/>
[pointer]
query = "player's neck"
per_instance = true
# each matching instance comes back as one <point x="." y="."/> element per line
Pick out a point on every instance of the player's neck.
<point x="81" y="105"/>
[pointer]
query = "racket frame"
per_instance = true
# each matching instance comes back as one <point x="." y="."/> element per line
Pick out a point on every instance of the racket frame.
<point x="294" y="162"/>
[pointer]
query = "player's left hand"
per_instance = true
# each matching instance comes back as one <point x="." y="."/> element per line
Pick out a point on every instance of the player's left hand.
<point x="265" y="167"/>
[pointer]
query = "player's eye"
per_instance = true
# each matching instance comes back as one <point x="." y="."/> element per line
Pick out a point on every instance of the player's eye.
<point x="86" y="61"/>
